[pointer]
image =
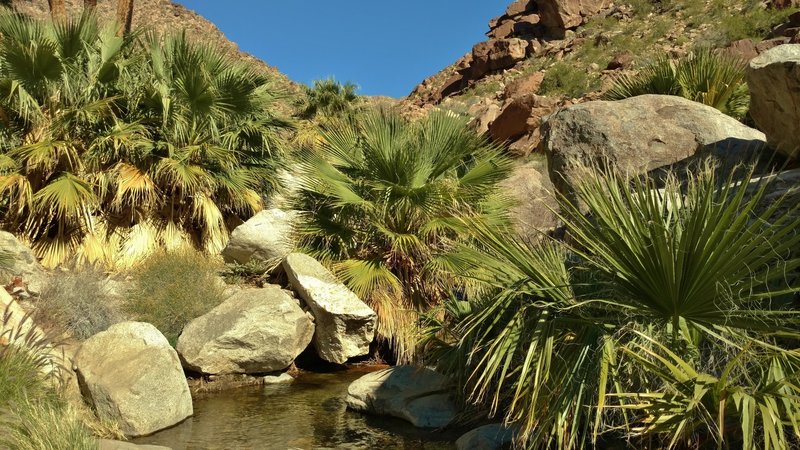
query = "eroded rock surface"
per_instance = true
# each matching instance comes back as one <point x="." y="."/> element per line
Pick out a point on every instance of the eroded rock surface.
<point x="131" y="375"/>
<point x="345" y="326"/>
<point x="257" y="330"/>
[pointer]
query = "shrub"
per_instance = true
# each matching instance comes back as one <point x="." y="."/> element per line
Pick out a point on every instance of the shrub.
<point x="382" y="201"/>
<point x="172" y="288"/>
<point x="705" y="76"/>
<point x="665" y="323"/>
<point x="33" y="415"/>
<point x="78" y="302"/>
<point x="36" y="425"/>
<point x="562" y="78"/>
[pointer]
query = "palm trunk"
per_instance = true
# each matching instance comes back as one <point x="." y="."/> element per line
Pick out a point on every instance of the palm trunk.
<point x="125" y="16"/>
<point x="89" y="5"/>
<point x="57" y="9"/>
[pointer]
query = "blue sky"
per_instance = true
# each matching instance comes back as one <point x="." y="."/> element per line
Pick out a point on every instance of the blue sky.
<point x="385" y="47"/>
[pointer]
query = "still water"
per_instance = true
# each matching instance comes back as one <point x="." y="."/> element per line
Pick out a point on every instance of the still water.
<point x="307" y="414"/>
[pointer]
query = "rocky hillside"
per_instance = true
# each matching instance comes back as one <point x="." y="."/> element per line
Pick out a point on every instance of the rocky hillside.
<point x="543" y="54"/>
<point x="161" y="16"/>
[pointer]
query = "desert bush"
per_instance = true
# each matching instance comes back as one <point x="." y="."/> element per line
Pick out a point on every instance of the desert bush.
<point x="51" y="425"/>
<point x="704" y="76"/>
<point x="33" y="413"/>
<point x="170" y="289"/>
<point x="78" y="302"/>
<point x="667" y="322"/>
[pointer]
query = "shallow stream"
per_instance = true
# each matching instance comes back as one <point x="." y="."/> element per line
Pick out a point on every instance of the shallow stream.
<point x="310" y="413"/>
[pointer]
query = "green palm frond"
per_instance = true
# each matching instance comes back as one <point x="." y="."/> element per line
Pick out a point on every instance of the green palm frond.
<point x="384" y="197"/>
<point x="705" y="76"/>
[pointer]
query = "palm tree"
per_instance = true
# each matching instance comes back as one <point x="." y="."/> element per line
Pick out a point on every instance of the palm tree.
<point x="383" y="197"/>
<point x="124" y="16"/>
<point x="329" y="98"/>
<point x="110" y="150"/>
<point x="665" y="321"/>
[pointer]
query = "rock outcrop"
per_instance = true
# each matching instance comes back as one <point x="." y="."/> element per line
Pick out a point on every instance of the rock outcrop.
<point x="265" y="237"/>
<point x="131" y="375"/>
<point x="24" y="266"/>
<point x="774" y="81"/>
<point x="418" y="395"/>
<point x="640" y="134"/>
<point x="495" y="436"/>
<point x="254" y="331"/>
<point x="345" y="326"/>
<point x="559" y="15"/>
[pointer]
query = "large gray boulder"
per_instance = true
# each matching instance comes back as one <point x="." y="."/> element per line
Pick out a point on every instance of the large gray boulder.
<point x="418" y="395"/>
<point x="130" y="375"/>
<point x="254" y="331"/>
<point x="23" y="264"/>
<point x="495" y="436"/>
<point x="345" y="324"/>
<point x="267" y="237"/>
<point x="774" y="81"/>
<point x="640" y="134"/>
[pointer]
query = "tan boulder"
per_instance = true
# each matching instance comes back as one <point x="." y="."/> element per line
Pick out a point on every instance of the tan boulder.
<point x="567" y="14"/>
<point x="130" y="375"/>
<point x="496" y="54"/>
<point x="257" y="330"/>
<point x="345" y="326"/>
<point x="774" y="81"/>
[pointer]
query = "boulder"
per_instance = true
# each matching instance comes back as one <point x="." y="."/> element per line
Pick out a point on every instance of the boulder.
<point x="774" y="81"/>
<point x="496" y="54"/>
<point x="418" y="395"/>
<point x="530" y="188"/>
<point x="520" y="116"/>
<point x="495" y="436"/>
<point x="484" y="114"/>
<point x="345" y="326"/>
<point x="130" y="375"/>
<point x="108" y="444"/>
<point x="265" y="237"/>
<point x="23" y="265"/>
<point x="621" y="60"/>
<point x="254" y="331"/>
<point x="528" y="84"/>
<point x="503" y="30"/>
<point x="640" y="134"/>
<point x="560" y="15"/>
<point x="520" y="6"/>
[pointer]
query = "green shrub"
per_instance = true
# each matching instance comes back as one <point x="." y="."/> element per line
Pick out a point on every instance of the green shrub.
<point x="564" y="78"/>
<point x="172" y="288"/>
<point x="667" y="322"/>
<point x="78" y="302"/>
<point x="51" y="425"/>
<point x="33" y="413"/>
<point x="704" y="76"/>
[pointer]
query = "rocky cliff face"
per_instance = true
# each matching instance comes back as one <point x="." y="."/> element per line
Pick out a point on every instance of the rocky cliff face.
<point x="541" y="56"/>
<point x="161" y="16"/>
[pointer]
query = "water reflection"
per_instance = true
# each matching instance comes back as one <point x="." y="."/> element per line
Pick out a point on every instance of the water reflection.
<point x="308" y="414"/>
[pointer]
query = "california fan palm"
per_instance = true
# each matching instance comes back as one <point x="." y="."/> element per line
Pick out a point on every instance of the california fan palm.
<point x="109" y="148"/>
<point x="384" y="198"/>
